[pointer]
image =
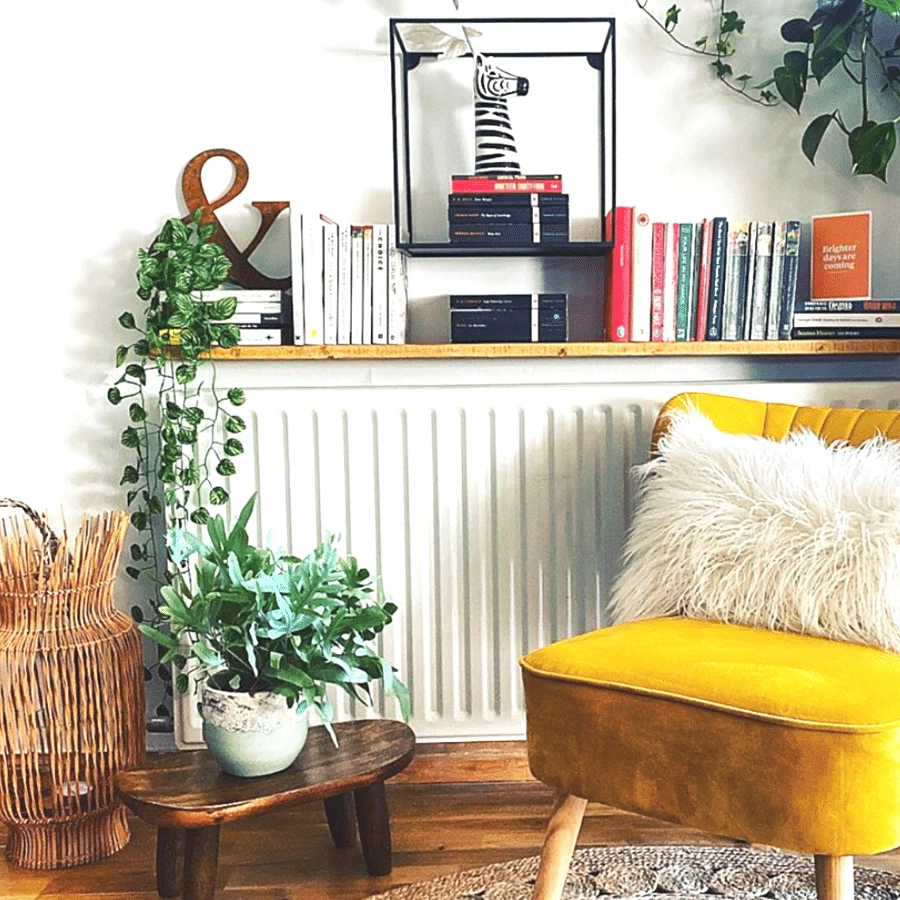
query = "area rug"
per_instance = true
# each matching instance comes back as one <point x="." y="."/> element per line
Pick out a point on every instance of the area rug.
<point x="653" y="873"/>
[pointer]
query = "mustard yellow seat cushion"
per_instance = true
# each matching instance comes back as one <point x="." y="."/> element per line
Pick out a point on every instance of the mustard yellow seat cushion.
<point x="776" y="738"/>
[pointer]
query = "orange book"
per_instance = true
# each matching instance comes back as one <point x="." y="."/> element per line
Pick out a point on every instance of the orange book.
<point x="841" y="259"/>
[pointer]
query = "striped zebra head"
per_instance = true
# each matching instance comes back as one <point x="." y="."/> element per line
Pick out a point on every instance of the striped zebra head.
<point x="492" y="82"/>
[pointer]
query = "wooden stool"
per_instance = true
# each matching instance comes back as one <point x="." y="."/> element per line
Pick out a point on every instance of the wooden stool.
<point x="188" y="797"/>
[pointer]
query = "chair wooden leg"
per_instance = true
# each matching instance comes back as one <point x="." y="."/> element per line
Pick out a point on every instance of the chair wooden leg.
<point x="834" y="877"/>
<point x="559" y="845"/>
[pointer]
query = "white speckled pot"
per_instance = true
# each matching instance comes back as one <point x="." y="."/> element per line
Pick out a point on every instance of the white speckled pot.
<point x="251" y="734"/>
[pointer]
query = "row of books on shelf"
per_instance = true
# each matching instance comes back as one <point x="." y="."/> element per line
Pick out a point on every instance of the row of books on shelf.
<point x="508" y="318"/>
<point x="507" y="211"/>
<point x="722" y="280"/>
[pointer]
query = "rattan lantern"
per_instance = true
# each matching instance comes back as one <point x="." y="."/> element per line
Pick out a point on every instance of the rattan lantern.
<point x="71" y="691"/>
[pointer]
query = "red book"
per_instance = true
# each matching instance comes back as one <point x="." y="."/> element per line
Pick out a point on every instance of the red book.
<point x="507" y="186"/>
<point x="657" y="280"/>
<point x="617" y="301"/>
<point x="703" y="286"/>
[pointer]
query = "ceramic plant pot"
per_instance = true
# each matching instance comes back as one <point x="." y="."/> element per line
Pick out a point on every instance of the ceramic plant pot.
<point x="251" y="734"/>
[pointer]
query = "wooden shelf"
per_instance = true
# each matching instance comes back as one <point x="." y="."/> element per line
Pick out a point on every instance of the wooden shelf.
<point x="493" y="351"/>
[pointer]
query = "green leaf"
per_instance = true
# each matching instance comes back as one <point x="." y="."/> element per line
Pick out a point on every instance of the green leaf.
<point x="136" y="371"/>
<point x="891" y="7"/>
<point x="126" y="320"/>
<point x="186" y="372"/>
<point x="229" y="336"/>
<point x="161" y="637"/>
<point x="181" y="683"/>
<point x="813" y="135"/>
<point x="235" y="424"/>
<point x="130" y="438"/>
<point x="797" y="31"/>
<point x="873" y="148"/>
<point x="798" y="62"/>
<point x="193" y="414"/>
<point x="672" y="17"/>
<point x="173" y="411"/>
<point x="218" y="496"/>
<point x="224" y="308"/>
<point x="132" y="572"/>
<point x="206" y="655"/>
<point x="233" y="447"/>
<point x="137" y="614"/>
<point x="130" y="475"/>
<point x="790" y="86"/>
<point x="226" y="467"/>
<point x="139" y="520"/>
<point x="114" y="395"/>
<point x="236" y="396"/>
<point x="137" y="413"/>
<point x="200" y="516"/>
<point x="121" y="354"/>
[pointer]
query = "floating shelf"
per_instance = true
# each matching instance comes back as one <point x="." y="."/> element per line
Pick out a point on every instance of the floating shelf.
<point x="598" y="349"/>
<point x="575" y="248"/>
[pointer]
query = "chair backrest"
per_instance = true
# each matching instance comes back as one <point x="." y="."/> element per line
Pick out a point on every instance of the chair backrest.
<point x="735" y="415"/>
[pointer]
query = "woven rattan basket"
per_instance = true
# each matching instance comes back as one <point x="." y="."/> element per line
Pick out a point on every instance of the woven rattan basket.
<point x="71" y="691"/>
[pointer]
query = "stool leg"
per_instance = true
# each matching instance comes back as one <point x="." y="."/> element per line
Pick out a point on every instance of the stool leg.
<point x="201" y="859"/>
<point x="374" y="828"/>
<point x="834" y="877"/>
<point x="341" y="820"/>
<point x="169" y="861"/>
<point x="559" y="845"/>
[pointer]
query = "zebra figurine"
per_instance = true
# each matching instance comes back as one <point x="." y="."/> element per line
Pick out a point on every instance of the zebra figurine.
<point x="495" y="146"/>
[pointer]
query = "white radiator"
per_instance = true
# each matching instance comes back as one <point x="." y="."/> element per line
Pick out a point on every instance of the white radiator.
<point x="494" y="515"/>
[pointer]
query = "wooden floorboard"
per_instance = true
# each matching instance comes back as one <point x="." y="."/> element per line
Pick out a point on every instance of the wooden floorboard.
<point x="287" y="855"/>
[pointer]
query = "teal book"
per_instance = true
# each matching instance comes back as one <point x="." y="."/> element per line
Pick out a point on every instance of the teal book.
<point x="685" y="279"/>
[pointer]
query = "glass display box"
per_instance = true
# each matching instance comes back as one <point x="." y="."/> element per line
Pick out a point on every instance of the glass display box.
<point x="502" y="100"/>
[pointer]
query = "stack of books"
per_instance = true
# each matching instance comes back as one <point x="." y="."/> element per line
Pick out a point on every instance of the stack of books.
<point x="712" y="280"/>
<point x="508" y="210"/>
<point x="264" y="317"/>
<point x="508" y="318"/>
<point x="349" y="283"/>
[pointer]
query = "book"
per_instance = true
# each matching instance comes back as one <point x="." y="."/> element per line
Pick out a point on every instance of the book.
<point x="759" y="305"/>
<point x="243" y="297"/>
<point x="268" y="320"/>
<point x="509" y="234"/>
<point x="706" y="230"/>
<point x="356" y="284"/>
<point x="397" y="297"/>
<point x="330" y="280"/>
<point x="685" y="266"/>
<point x="641" y="272"/>
<point x="776" y="280"/>
<point x="511" y="325"/>
<point x="657" y="280"/>
<point x="789" y="279"/>
<point x="847" y="306"/>
<point x="505" y="176"/>
<point x="694" y="293"/>
<point x="745" y="297"/>
<point x="343" y="284"/>
<point x="500" y="302"/>
<point x="838" y="334"/>
<point x="717" y="272"/>
<point x="509" y="215"/>
<point x="735" y="282"/>
<point x="313" y="309"/>
<point x="379" y="285"/>
<point x="507" y="186"/>
<point x="367" y="281"/>
<point x="847" y="320"/>
<point x="258" y="337"/>
<point x="841" y="257"/>
<point x="296" y="232"/>
<point x="618" y="272"/>
<point x="555" y="201"/>
<point x="670" y="284"/>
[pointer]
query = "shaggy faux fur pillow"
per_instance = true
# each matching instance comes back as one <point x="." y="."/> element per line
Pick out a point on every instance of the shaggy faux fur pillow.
<point x="793" y="535"/>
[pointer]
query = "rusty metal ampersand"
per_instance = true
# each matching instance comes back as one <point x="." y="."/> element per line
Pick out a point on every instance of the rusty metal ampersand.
<point x="243" y="272"/>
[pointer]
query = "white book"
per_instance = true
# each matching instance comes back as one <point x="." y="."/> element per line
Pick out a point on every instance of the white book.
<point x="296" y="230"/>
<point x="397" y="297"/>
<point x="640" y="278"/>
<point x="779" y="243"/>
<point x="313" y="309"/>
<point x="343" y="284"/>
<point x="272" y="320"/>
<point x="356" y="284"/>
<point x="368" y="256"/>
<point x="329" y="280"/>
<point x="670" y="284"/>
<point x="761" y="281"/>
<point x="244" y="298"/>
<point x="258" y="337"/>
<point x="847" y="320"/>
<point x="379" y="285"/>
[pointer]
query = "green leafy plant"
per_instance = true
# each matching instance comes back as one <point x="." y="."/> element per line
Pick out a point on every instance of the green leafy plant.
<point x="859" y="39"/>
<point x="177" y="418"/>
<point x="255" y="619"/>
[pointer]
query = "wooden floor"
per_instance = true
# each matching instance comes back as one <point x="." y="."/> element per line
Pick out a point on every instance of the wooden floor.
<point x="437" y="828"/>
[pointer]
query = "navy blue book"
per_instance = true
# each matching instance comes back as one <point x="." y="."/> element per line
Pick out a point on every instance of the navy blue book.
<point x="507" y="301"/>
<point x="507" y="326"/>
<point x="837" y="334"/>
<point x="498" y="234"/>
<point x="717" y="279"/>
<point x="514" y="215"/>
<point x="789" y="280"/>
<point x="541" y="200"/>
<point x="847" y="306"/>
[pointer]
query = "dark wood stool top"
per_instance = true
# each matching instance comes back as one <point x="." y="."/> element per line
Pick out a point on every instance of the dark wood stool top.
<point x="187" y="797"/>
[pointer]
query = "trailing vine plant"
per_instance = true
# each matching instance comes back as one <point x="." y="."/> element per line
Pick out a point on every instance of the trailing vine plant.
<point x="858" y="38"/>
<point x="176" y="415"/>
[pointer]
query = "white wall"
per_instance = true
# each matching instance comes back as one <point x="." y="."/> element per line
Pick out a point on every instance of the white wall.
<point x="106" y="101"/>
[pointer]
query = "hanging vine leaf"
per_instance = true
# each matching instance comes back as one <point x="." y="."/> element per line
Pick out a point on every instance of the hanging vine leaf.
<point x="797" y="31"/>
<point x="813" y="135"/>
<point x="872" y="149"/>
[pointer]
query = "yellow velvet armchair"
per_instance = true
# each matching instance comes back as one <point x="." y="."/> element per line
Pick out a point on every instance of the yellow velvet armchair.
<point x="774" y="738"/>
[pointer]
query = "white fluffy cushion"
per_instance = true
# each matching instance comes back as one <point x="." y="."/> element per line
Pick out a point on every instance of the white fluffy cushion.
<point x="793" y="535"/>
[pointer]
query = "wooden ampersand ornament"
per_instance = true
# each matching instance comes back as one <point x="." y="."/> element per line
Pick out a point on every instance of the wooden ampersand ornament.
<point x="243" y="272"/>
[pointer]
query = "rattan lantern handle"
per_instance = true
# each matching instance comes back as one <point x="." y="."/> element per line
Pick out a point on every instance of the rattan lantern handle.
<point x="51" y="541"/>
